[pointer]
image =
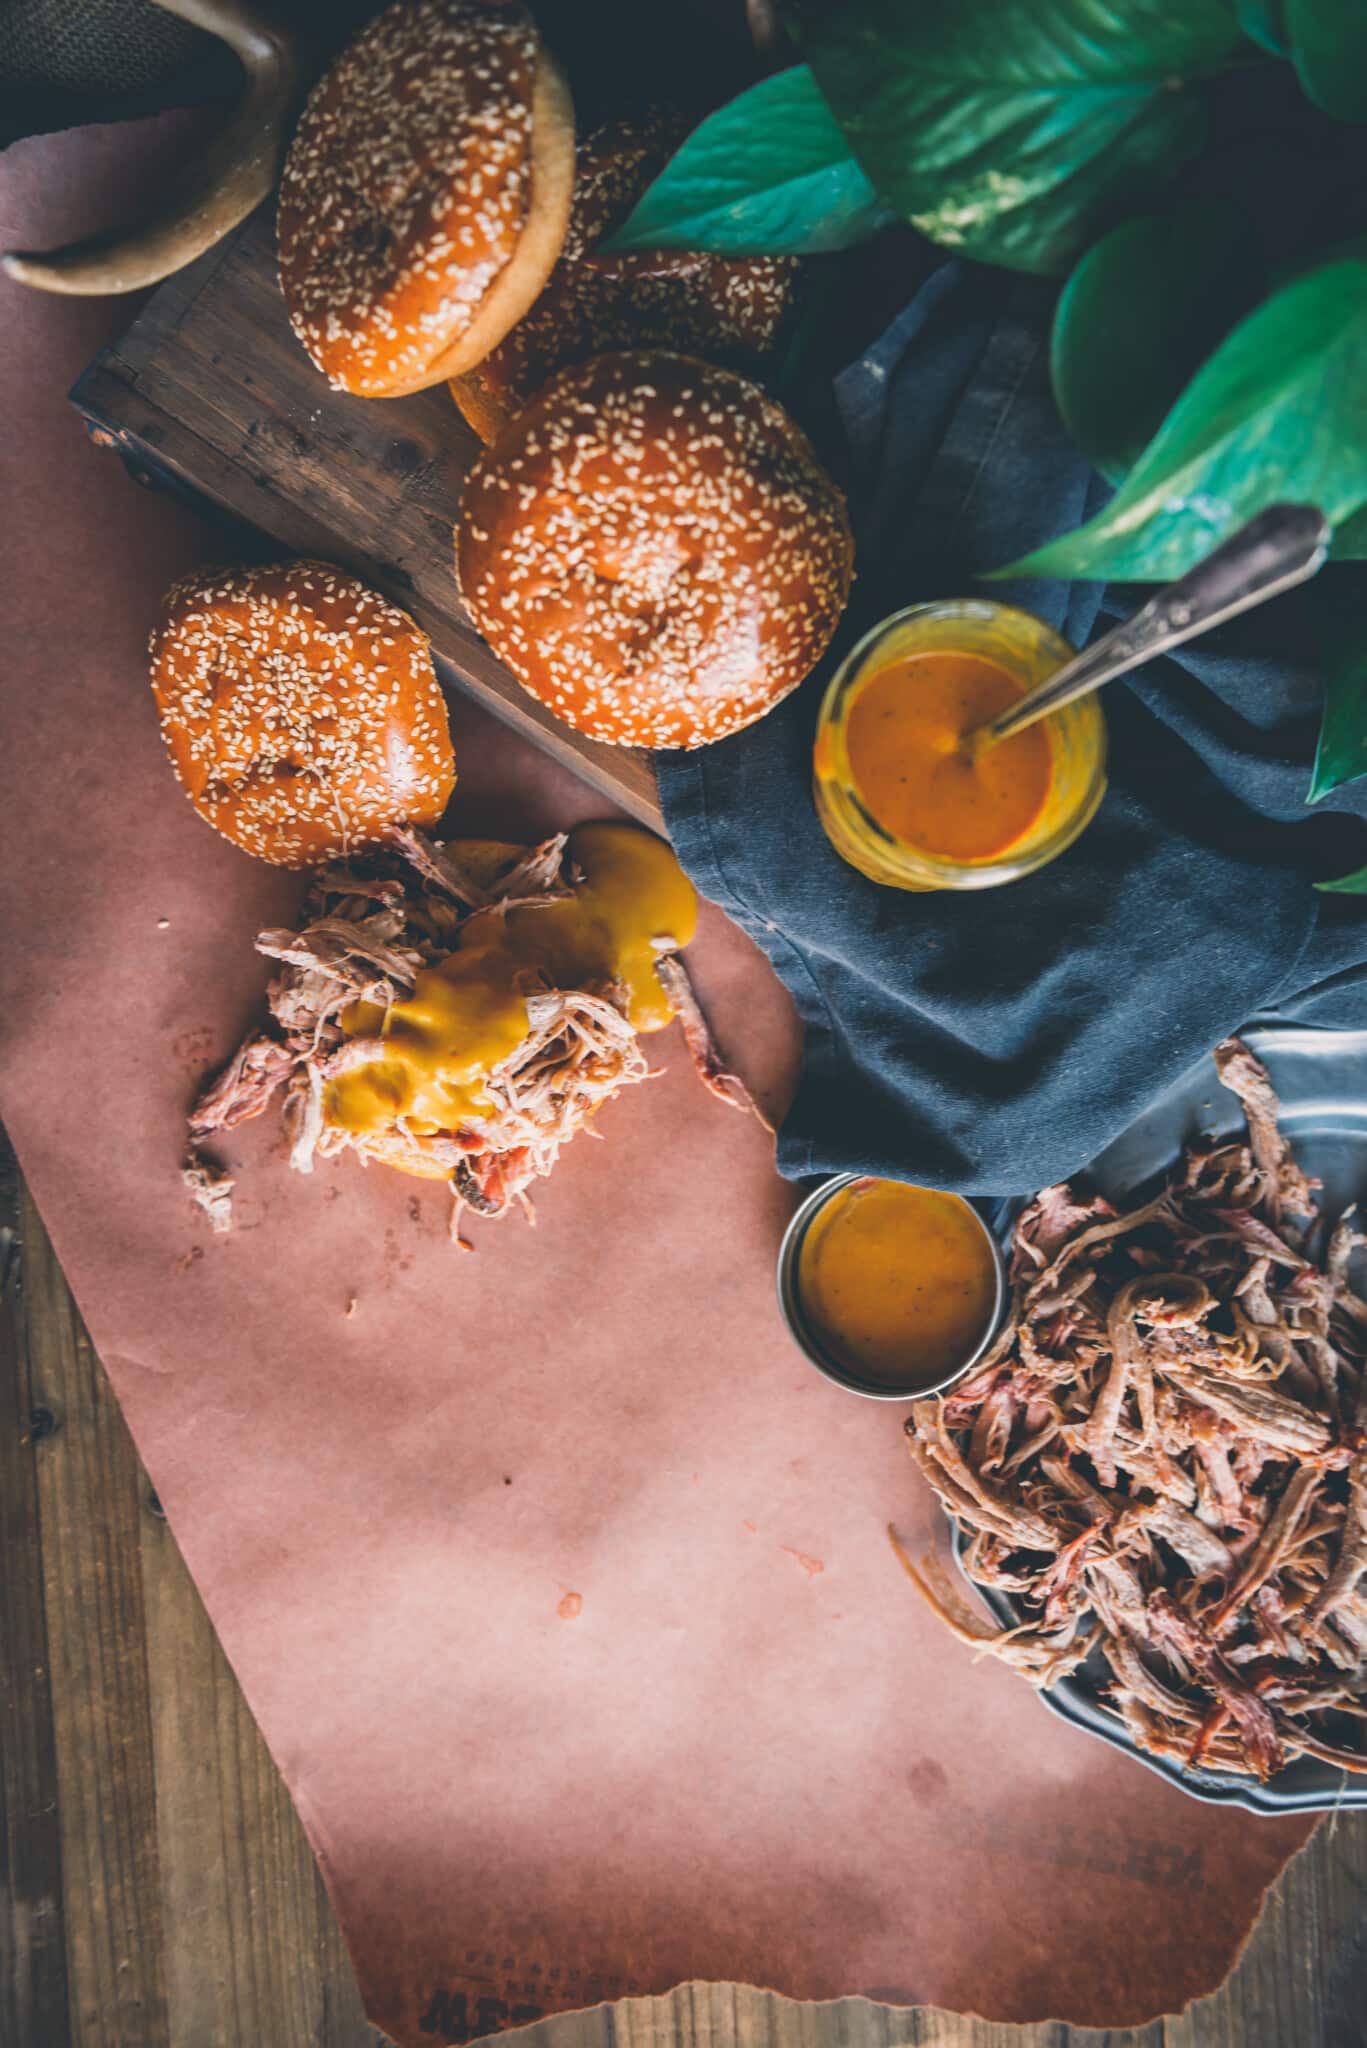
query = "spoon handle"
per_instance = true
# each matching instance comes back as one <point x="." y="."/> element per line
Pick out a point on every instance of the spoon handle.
<point x="1281" y="546"/>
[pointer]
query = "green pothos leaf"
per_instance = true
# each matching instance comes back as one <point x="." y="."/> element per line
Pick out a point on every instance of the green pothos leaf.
<point x="769" y="173"/>
<point x="1342" y="751"/>
<point x="1328" y="46"/>
<point x="1144" y="307"/>
<point x="1276" y="413"/>
<point x="1013" y="129"/>
<point x="1262" y="21"/>
<point x="1350" y="539"/>
<point x="1346" y="885"/>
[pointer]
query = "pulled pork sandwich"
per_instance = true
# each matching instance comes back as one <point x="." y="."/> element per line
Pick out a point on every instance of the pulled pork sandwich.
<point x="459" y="1011"/>
<point x="1163" y="1461"/>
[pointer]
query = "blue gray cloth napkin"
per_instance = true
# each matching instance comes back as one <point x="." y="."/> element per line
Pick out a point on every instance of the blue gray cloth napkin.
<point x="994" y="1041"/>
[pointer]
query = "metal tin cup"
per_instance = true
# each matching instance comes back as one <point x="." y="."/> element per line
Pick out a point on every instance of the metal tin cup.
<point x="806" y="1335"/>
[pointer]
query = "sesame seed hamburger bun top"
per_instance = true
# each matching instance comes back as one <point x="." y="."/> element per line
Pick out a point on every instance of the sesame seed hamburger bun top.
<point x="301" y="711"/>
<point x="727" y="309"/>
<point x="654" y="550"/>
<point x="425" y="195"/>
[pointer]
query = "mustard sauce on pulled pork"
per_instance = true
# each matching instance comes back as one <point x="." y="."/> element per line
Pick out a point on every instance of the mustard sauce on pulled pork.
<point x="434" y="1050"/>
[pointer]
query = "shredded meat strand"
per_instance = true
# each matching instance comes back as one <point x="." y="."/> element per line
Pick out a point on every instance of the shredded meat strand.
<point x="728" y="1088"/>
<point x="244" y="1087"/>
<point x="212" y="1188"/>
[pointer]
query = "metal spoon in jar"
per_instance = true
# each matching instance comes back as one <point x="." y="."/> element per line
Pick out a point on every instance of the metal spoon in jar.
<point x="1277" y="549"/>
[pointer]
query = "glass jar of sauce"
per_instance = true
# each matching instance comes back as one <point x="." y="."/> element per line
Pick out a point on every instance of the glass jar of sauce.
<point x="903" y="800"/>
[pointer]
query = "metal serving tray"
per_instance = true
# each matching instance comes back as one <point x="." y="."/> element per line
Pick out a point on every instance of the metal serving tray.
<point x="1321" y="1077"/>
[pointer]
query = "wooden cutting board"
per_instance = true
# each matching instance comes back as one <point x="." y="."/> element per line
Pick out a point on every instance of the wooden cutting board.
<point x="209" y="392"/>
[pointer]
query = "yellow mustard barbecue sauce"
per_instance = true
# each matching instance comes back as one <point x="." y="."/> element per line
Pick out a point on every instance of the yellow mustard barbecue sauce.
<point x="469" y="1011"/>
<point x="897" y="1282"/>
<point x="904" y="737"/>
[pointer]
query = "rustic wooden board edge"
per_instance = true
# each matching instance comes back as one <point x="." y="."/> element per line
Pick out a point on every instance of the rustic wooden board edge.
<point x="89" y="1510"/>
<point x="33" y="1974"/>
<point x="157" y="1886"/>
<point x="127" y="398"/>
<point x="158" y="450"/>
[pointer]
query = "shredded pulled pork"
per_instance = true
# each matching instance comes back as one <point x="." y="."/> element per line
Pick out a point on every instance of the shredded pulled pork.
<point x="243" y="1088"/>
<point x="369" y="926"/>
<point x="1164" y="1457"/>
<point x="211" y="1187"/>
<point x="707" y="1061"/>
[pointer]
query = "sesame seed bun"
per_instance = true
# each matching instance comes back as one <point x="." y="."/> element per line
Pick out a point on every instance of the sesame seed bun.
<point x="301" y="711"/>
<point x="726" y="309"/>
<point x="654" y="550"/>
<point x="426" y="194"/>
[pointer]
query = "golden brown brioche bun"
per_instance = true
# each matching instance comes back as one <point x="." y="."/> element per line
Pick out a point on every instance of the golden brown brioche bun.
<point x="654" y="550"/>
<point x="726" y="309"/>
<point x="426" y="194"/>
<point x="300" y="710"/>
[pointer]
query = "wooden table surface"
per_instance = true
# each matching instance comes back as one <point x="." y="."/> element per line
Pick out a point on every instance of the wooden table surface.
<point x="155" y="1885"/>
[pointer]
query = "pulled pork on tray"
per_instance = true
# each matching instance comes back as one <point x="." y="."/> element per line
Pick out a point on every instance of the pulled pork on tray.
<point x="422" y="1017"/>
<point x="1164" y="1457"/>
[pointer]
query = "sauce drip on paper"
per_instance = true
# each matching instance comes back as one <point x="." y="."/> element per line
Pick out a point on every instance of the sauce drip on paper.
<point x="897" y="1281"/>
<point x="469" y="1011"/>
<point x="903" y="735"/>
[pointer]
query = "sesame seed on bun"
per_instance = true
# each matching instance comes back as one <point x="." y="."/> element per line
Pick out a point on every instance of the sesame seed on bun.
<point x="654" y="550"/>
<point x="426" y="194"/>
<point x="301" y="711"/>
<point x="726" y="309"/>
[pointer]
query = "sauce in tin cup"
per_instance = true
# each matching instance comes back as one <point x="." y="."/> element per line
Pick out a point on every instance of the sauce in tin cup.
<point x="893" y="1291"/>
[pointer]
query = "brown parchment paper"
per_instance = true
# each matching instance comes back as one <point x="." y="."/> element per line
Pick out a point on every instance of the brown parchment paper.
<point x="555" y="1577"/>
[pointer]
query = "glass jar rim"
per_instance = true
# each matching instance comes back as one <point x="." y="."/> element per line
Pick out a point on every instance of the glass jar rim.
<point x="916" y="864"/>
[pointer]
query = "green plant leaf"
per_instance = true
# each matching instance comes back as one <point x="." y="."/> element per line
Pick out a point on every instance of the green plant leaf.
<point x="1341" y="755"/>
<point x="1143" y="308"/>
<point x="1262" y="21"/>
<point x="1328" y="46"/>
<point x="1277" y="412"/>
<point x="1350" y="539"/>
<point x="1346" y="885"/>
<point x="768" y="174"/>
<point x="1013" y="129"/>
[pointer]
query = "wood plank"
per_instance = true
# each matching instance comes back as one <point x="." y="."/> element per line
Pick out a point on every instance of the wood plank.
<point x="195" y="1912"/>
<point x="252" y="1952"/>
<point x="1303" y="1976"/>
<point x="209" y="391"/>
<point x="87" y="1480"/>
<point x="33" y="2001"/>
